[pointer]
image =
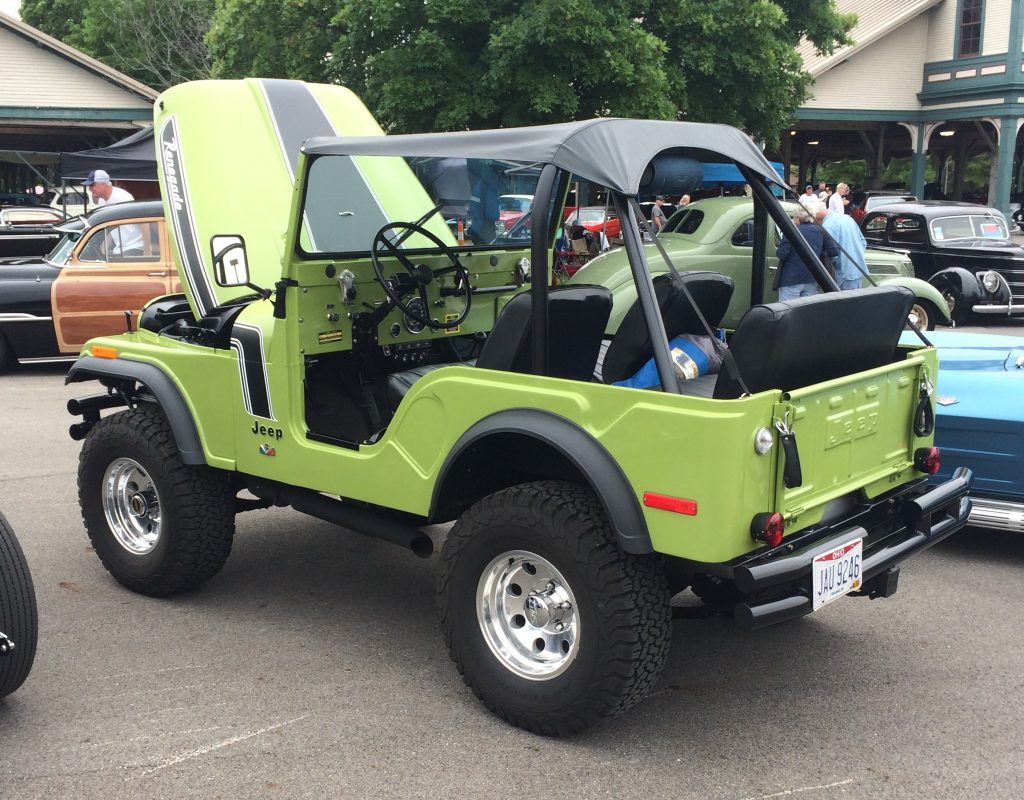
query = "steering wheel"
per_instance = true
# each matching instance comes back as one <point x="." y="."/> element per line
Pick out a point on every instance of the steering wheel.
<point x="420" y="275"/>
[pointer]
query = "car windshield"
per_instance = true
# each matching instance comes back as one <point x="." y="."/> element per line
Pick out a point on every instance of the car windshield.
<point x="590" y="215"/>
<point x="989" y="227"/>
<point x="515" y="204"/>
<point x="62" y="252"/>
<point x="685" y="221"/>
<point x="348" y="200"/>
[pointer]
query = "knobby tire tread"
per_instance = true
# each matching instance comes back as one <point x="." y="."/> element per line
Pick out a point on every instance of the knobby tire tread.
<point x="203" y="503"/>
<point x="632" y="596"/>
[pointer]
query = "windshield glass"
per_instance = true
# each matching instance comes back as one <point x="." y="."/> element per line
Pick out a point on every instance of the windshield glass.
<point x="515" y="204"/>
<point x="349" y="199"/>
<point x="969" y="226"/>
<point x="62" y="252"/>
<point x="590" y="215"/>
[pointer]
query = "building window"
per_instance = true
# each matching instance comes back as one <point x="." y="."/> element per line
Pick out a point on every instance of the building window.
<point x="970" y="28"/>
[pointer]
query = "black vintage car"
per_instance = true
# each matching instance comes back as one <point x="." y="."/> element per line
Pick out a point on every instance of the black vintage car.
<point x="28" y="230"/>
<point x="964" y="250"/>
<point x="105" y="268"/>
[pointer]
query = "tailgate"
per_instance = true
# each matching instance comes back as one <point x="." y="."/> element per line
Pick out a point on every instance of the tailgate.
<point x="852" y="433"/>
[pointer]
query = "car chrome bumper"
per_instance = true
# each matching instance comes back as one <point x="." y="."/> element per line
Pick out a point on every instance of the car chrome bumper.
<point x="782" y="585"/>
<point x="998" y="309"/>
<point x="998" y="514"/>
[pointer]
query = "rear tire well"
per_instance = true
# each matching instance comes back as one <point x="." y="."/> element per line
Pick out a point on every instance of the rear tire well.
<point x="498" y="462"/>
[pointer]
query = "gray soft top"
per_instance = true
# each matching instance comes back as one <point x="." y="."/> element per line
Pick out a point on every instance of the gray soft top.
<point x="611" y="152"/>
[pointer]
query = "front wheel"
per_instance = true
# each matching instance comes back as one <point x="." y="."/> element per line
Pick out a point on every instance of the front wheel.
<point x="924" y="314"/>
<point x="956" y="305"/>
<point x="550" y="624"/>
<point x="19" y="625"/>
<point x="159" y="526"/>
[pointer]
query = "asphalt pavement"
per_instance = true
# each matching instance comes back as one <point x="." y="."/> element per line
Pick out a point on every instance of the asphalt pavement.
<point x="312" y="667"/>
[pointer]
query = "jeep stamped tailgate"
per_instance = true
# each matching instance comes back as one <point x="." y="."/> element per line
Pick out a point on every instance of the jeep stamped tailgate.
<point x="849" y="434"/>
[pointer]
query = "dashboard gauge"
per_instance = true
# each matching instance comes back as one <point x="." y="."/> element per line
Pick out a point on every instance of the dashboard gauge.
<point x="417" y="306"/>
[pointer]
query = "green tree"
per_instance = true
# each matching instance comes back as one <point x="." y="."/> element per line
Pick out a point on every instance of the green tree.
<point x="451" y="64"/>
<point x="60" y="19"/>
<point x="157" y="42"/>
<point x="273" y="39"/>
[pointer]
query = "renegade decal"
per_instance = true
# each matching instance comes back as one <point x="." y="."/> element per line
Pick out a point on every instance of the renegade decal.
<point x="182" y="225"/>
<point x="247" y="342"/>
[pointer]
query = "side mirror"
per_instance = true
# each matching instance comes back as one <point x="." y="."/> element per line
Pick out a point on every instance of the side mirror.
<point x="229" y="263"/>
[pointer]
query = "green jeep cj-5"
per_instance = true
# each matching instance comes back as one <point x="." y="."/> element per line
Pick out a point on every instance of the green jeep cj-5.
<point x="340" y="351"/>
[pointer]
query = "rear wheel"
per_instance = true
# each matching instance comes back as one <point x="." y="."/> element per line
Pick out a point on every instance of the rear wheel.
<point x="19" y="625"/>
<point x="159" y="526"/>
<point x="924" y="314"/>
<point x="550" y="624"/>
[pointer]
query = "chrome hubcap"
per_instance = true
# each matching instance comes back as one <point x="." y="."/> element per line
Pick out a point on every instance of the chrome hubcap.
<point x="131" y="505"/>
<point x="918" y="316"/>
<point x="527" y="614"/>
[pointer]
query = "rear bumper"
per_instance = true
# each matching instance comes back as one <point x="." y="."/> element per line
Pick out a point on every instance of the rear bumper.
<point x="893" y="528"/>
<point x="1001" y="515"/>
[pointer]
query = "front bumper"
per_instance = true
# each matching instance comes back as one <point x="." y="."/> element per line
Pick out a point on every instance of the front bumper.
<point x="895" y="527"/>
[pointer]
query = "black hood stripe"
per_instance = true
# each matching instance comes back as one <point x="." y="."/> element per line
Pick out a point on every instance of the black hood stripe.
<point x="171" y="161"/>
<point x="297" y="115"/>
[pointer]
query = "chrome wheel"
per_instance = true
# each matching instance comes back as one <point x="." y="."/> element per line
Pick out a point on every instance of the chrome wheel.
<point x="527" y="613"/>
<point x="919" y="316"/>
<point x="131" y="505"/>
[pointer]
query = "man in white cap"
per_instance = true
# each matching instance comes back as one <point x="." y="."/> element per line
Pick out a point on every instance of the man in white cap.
<point x="123" y="241"/>
<point x="103" y="191"/>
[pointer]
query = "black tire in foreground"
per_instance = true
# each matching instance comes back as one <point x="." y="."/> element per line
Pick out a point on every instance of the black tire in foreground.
<point x="550" y="623"/>
<point x="19" y="622"/>
<point x="159" y="526"/>
<point x="957" y="306"/>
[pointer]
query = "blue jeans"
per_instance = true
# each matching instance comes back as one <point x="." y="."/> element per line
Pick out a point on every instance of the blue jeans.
<point x="798" y="290"/>
<point x="850" y="283"/>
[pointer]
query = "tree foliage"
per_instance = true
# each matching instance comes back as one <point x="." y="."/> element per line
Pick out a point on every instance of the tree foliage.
<point x="157" y="42"/>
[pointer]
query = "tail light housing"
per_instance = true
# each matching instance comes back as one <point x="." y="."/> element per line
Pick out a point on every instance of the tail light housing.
<point x="927" y="459"/>
<point x="768" y="528"/>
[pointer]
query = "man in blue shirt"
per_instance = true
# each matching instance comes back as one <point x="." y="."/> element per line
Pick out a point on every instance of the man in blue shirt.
<point x="795" y="279"/>
<point x="851" y="266"/>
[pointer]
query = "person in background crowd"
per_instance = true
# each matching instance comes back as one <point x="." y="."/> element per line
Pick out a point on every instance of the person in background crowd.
<point x="809" y="199"/>
<point x="851" y="264"/>
<point x="823" y="193"/>
<point x="795" y="279"/>
<point x="684" y="200"/>
<point x="657" y="215"/>
<point x="837" y="202"/>
<point x="103" y="191"/>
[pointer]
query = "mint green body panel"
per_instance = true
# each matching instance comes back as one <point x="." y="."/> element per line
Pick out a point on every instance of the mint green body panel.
<point x="712" y="248"/>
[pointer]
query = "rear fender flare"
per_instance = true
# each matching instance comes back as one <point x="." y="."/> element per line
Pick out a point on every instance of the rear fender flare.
<point x="166" y="392"/>
<point x="578" y="447"/>
<point x="921" y="289"/>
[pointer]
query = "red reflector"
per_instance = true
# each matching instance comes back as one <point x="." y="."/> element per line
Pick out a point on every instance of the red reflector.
<point x="677" y="505"/>
<point x="927" y="460"/>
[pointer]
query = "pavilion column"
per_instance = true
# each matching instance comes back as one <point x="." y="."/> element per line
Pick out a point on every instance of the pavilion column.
<point x="1000" y="198"/>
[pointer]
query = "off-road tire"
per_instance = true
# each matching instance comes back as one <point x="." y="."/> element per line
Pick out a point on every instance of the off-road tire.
<point x="196" y="505"/>
<point x="927" y="313"/>
<point x="18" y="617"/>
<point x="622" y="601"/>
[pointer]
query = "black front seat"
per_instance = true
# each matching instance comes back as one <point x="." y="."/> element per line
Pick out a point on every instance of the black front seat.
<point x="577" y="317"/>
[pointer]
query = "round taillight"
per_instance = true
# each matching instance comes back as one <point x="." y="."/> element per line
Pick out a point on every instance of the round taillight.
<point x="927" y="460"/>
<point x="768" y="528"/>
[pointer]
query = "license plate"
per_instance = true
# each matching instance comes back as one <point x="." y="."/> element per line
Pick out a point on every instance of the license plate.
<point x="836" y="573"/>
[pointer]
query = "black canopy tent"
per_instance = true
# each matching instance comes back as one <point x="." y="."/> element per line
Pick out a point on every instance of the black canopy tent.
<point x="131" y="159"/>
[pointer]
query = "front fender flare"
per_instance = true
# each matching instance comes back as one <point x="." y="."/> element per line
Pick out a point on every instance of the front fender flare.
<point x="924" y="290"/>
<point x="961" y="281"/>
<point x="588" y="455"/>
<point x="166" y="392"/>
